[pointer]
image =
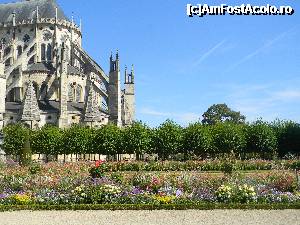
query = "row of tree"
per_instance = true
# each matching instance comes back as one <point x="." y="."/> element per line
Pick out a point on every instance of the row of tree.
<point x="266" y="140"/>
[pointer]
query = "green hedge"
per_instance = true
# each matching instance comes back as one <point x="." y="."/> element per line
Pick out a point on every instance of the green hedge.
<point x="202" y="206"/>
<point x="169" y="140"/>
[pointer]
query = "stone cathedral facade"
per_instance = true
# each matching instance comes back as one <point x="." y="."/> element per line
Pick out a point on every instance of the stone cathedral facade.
<point x="46" y="77"/>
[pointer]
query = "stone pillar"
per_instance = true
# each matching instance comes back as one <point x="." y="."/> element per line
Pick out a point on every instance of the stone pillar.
<point x="2" y="94"/>
<point x="63" y="95"/>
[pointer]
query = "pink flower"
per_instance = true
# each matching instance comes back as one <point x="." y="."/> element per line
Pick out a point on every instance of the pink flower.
<point x="99" y="162"/>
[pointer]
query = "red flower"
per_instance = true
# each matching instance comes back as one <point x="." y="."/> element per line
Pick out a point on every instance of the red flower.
<point x="99" y="162"/>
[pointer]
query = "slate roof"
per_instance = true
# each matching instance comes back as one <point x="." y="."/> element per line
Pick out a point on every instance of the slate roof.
<point x="48" y="106"/>
<point x="27" y="10"/>
<point x="40" y="67"/>
<point x="52" y="106"/>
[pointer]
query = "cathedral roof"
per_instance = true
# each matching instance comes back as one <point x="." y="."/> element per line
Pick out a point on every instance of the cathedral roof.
<point x="48" y="106"/>
<point x="27" y="10"/>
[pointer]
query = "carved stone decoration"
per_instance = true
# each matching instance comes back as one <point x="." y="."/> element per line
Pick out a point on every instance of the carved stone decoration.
<point x="91" y="110"/>
<point x="31" y="111"/>
<point x="47" y="35"/>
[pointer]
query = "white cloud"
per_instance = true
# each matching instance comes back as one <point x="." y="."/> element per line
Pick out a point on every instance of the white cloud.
<point x="262" y="48"/>
<point x="208" y="53"/>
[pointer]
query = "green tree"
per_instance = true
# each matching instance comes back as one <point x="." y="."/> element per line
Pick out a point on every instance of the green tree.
<point x="14" y="139"/>
<point x="228" y="138"/>
<point x="137" y="139"/>
<point x="261" y="138"/>
<point x="288" y="136"/>
<point x="77" y="140"/>
<point x="108" y="140"/>
<point x="219" y="113"/>
<point x="167" y="139"/>
<point x="198" y="139"/>
<point x="48" y="141"/>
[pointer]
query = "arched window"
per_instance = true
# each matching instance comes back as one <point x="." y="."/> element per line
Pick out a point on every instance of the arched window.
<point x="19" y="50"/>
<point x="31" y="60"/>
<point x="36" y="89"/>
<point x="44" y="91"/>
<point x="11" y="95"/>
<point x="71" y="92"/>
<point x="49" y="52"/>
<point x="7" y="62"/>
<point x="7" y="51"/>
<point x="79" y="93"/>
<point x="43" y="52"/>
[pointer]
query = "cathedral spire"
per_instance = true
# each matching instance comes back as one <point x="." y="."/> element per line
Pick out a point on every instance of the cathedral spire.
<point x="30" y="111"/>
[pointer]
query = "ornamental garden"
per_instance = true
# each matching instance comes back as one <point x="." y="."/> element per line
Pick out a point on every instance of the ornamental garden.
<point x="222" y="165"/>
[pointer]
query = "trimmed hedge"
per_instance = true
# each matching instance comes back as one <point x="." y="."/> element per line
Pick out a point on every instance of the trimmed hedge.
<point x="202" y="206"/>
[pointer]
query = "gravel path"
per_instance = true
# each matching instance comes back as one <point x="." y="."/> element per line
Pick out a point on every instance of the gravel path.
<point x="215" y="217"/>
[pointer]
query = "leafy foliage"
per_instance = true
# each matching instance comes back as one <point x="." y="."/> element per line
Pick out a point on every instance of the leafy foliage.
<point x="108" y="140"/>
<point x="261" y="138"/>
<point x="14" y="139"/>
<point x="198" y="139"/>
<point x="228" y="138"/>
<point x="219" y="113"/>
<point x="137" y="138"/>
<point x="167" y="139"/>
<point x="47" y="140"/>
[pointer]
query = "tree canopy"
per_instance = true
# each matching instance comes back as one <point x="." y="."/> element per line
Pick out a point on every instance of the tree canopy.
<point x="219" y="113"/>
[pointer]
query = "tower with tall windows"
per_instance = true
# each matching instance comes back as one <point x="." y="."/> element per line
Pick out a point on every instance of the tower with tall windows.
<point x="41" y="57"/>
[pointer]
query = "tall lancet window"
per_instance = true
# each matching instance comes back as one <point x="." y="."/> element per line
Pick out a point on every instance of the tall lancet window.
<point x="71" y="92"/>
<point x="49" y="52"/>
<point x="43" y="52"/>
<point x="79" y="93"/>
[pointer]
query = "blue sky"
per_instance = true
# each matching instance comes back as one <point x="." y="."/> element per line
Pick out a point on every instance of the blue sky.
<point x="184" y="65"/>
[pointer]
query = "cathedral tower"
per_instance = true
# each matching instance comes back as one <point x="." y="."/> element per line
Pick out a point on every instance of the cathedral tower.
<point x="128" y="103"/>
<point x="114" y="91"/>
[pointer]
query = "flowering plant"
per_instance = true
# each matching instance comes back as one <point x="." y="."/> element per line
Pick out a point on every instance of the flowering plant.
<point x="98" y="170"/>
<point x="245" y="194"/>
<point x="224" y="193"/>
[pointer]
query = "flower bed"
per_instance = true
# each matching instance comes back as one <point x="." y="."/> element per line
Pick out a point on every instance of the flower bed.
<point x="204" y="165"/>
<point x="71" y="184"/>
